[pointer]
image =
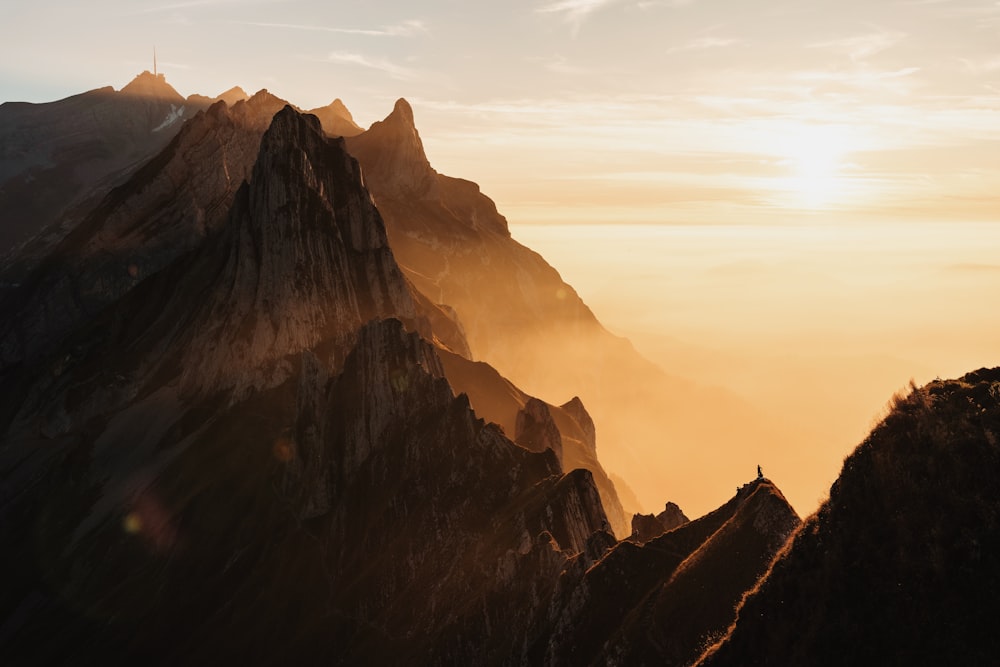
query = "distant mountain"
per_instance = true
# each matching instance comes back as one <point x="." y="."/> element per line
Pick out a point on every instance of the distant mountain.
<point x="336" y="120"/>
<point x="899" y="566"/>
<point x="54" y="154"/>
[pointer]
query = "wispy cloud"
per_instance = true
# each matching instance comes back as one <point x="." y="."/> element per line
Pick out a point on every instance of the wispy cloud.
<point x="575" y="11"/>
<point x="191" y="4"/>
<point x="404" y="29"/>
<point x="703" y="43"/>
<point x="862" y="47"/>
<point x="981" y="66"/>
<point x="378" y="64"/>
<point x="646" y="4"/>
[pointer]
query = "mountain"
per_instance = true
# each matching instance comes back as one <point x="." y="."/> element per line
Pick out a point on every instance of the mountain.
<point x="252" y="411"/>
<point x="173" y="205"/>
<point x="336" y="120"/>
<point x="254" y="454"/>
<point x="514" y="310"/>
<point x="898" y="566"/>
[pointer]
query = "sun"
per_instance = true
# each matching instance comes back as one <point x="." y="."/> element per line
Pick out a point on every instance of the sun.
<point x="815" y="158"/>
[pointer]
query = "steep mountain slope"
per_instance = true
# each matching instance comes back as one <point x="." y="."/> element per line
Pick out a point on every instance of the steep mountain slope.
<point x="521" y="318"/>
<point x="52" y="154"/>
<point x="658" y="603"/>
<point x="899" y="566"/>
<point x="168" y="207"/>
<point x="242" y="459"/>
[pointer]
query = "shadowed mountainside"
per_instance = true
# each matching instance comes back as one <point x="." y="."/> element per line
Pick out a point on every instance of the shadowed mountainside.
<point x="229" y="454"/>
<point x="898" y="567"/>
<point x="54" y="154"/>
<point x="659" y="602"/>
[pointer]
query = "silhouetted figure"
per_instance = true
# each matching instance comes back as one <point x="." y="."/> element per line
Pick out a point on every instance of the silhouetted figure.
<point x="760" y="474"/>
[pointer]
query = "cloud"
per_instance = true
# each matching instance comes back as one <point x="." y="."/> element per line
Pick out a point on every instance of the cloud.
<point x="381" y="65"/>
<point x="703" y="43"/>
<point x="981" y="66"/>
<point x="861" y="47"/>
<point x="575" y="11"/>
<point x="190" y="4"/>
<point x="404" y="29"/>
<point x="646" y="4"/>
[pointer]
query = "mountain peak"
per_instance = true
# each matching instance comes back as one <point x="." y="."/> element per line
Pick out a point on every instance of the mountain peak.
<point x="402" y="112"/>
<point x="152" y="85"/>
<point x="336" y="120"/>
<point x="394" y="155"/>
<point x="233" y="95"/>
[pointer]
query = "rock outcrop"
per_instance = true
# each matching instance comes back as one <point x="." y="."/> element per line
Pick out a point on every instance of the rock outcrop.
<point x="647" y="526"/>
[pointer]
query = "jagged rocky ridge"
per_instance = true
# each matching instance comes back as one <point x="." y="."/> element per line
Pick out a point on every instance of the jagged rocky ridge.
<point x="647" y="526"/>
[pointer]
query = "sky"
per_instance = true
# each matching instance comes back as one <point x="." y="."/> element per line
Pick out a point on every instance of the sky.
<point x="856" y="144"/>
<point x="649" y="111"/>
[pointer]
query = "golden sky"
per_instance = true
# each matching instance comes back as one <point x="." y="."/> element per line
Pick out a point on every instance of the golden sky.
<point x="857" y="142"/>
<point x="596" y="110"/>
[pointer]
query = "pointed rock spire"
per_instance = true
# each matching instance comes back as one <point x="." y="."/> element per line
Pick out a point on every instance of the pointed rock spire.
<point x="394" y="157"/>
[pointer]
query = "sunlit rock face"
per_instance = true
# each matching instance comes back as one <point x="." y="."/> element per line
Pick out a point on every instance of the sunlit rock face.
<point x="254" y="454"/>
<point x="898" y="566"/>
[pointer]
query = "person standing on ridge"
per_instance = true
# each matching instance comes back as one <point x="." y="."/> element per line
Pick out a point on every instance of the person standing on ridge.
<point x="760" y="474"/>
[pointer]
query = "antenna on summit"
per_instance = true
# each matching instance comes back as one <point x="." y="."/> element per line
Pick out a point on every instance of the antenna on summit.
<point x="154" y="61"/>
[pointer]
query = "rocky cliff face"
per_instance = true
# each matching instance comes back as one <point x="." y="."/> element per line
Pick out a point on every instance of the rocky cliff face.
<point x="896" y="567"/>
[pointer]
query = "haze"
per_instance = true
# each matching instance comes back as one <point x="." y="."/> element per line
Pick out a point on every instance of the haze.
<point x="795" y="201"/>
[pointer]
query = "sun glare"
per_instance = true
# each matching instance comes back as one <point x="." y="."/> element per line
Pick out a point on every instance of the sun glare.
<point x="815" y="157"/>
